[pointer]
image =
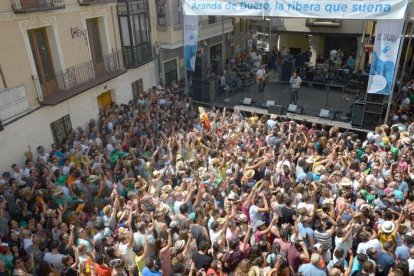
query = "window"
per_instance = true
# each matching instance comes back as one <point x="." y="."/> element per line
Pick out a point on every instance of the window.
<point x="170" y="69"/>
<point x="176" y="12"/>
<point x="161" y="13"/>
<point x="134" y="24"/>
<point x="212" y="19"/>
<point x="61" y="129"/>
<point x="137" y="88"/>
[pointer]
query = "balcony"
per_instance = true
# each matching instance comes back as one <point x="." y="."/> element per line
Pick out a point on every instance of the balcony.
<point x="77" y="79"/>
<point x="25" y="6"/>
<point x="95" y="2"/>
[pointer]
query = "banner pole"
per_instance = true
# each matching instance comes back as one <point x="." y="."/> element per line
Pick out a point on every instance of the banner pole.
<point x="395" y="72"/>
<point x="406" y="56"/>
<point x="186" y="91"/>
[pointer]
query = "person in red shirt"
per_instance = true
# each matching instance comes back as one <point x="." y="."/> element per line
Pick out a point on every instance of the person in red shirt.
<point x="100" y="267"/>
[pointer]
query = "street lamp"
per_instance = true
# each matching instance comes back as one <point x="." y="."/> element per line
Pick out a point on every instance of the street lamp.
<point x="157" y="55"/>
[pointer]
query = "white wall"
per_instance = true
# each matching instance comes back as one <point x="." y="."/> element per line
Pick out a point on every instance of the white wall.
<point x="34" y="128"/>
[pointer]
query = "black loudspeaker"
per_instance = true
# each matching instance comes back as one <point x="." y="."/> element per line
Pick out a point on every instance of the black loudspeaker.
<point x="374" y="107"/>
<point x="197" y="87"/>
<point x="199" y="71"/>
<point x="375" y="98"/>
<point x="367" y="115"/>
<point x="358" y="114"/>
<point x="327" y="113"/>
<point x="246" y="101"/>
<point x="293" y="108"/>
<point x="275" y="109"/>
<point x="197" y="83"/>
<point x="371" y="120"/>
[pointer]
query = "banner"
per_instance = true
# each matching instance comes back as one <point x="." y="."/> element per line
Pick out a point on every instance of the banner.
<point x="338" y="9"/>
<point x="190" y="41"/>
<point x="384" y="57"/>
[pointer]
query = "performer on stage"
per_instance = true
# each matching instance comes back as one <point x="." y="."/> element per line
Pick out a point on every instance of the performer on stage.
<point x="308" y="55"/>
<point x="260" y="78"/>
<point x="295" y="82"/>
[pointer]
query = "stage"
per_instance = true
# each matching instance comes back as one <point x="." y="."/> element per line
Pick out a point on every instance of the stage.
<point x="312" y="98"/>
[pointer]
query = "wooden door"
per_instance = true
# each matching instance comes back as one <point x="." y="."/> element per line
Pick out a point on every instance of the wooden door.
<point x="43" y="60"/>
<point x="95" y="45"/>
<point x="105" y="99"/>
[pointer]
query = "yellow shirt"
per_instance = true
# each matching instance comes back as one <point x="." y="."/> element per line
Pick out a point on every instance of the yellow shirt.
<point x="384" y="237"/>
<point x="140" y="263"/>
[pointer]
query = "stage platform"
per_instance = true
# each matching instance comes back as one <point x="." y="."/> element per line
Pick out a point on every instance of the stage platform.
<point x="312" y="99"/>
<point x="300" y="117"/>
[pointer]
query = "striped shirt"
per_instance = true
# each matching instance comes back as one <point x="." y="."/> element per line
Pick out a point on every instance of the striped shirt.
<point x="323" y="238"/>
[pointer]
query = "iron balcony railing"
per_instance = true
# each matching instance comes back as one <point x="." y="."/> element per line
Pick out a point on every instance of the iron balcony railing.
<point x="74" y="80"/>
<point x="95" y="2"/>
<point x="23" y="6"/>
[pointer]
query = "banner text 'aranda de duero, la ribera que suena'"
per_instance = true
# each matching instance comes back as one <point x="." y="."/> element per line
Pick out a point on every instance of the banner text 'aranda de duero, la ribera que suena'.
<point x="339" y="9"/>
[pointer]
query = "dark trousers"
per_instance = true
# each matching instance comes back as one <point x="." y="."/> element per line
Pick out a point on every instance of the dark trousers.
<point x="294" y="97"/>
<point x="261" y="86"/>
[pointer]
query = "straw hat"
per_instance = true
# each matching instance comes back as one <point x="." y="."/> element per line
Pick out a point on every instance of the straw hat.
<point x="221" y="221"/>
<point x="387" y="227"/>
<point x="179" y="244"/>
<point x="121" y="214"/>
<point x="249" y="174"/>
<point x="122" y="230"/>
<point x="215" y="161"/>
<point x="164" y="210"/>
<point x="50" y="213"/>
<point x="164" y="196"/>
<point x="319" y="169"/>
<point x="166" y="189"/>
<point x="179" y="156"/>
<point x="180" y="165"/>
<point x="241" y="217"/>
<point x="406" y="141"/>
<point x="85" y="160"/>
<point x="203" y="175"/>
<point x="93" y="178"/>
<point x="232" y="196"/>
<point x="273" y="116"/>
<point x="345" y="182"/>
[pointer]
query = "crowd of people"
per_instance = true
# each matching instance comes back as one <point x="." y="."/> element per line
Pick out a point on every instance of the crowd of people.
<point x="160" y="187"/>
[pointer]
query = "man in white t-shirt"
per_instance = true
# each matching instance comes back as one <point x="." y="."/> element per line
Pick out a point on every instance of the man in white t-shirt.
<point x="260" y="78"/>
<point x="333" y="55"/>
<point x="295" y="82"/>
<point x="366" y="243"/>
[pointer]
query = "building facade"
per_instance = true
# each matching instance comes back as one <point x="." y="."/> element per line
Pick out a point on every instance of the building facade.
<point x="62" y="61"/>
<point x="213" y="41"/>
